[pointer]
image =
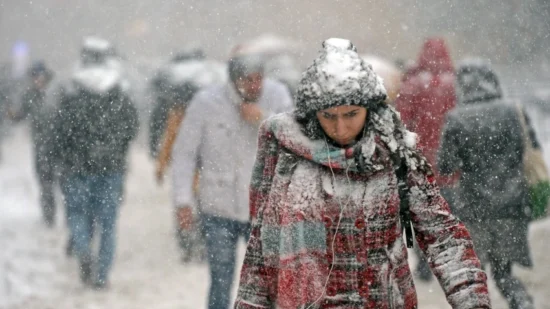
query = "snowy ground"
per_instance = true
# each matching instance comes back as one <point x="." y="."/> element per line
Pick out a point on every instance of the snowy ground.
<point x="35" y="274"/>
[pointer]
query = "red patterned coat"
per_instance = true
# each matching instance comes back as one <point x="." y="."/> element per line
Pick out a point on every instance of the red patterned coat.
<point x="327" y="236"/>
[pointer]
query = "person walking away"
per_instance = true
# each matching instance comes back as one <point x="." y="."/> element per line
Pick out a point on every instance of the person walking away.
<point x="5" y="100"/>
<point x="95" y="53"/>
<point x="95" y="126"/>
<point x="34" y="108"/>
<point x="483" y="139"/>
<point x="162" y="88"/>
<point x="220" y="128"/>
<point x="325" y="202"/>
<point x="427" y="94"/>
<point x="189" y="240"/>
<point x="185" y="79"/>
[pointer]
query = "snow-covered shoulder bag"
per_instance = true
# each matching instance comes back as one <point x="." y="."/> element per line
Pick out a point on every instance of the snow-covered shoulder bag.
<point x="536" y="173"/>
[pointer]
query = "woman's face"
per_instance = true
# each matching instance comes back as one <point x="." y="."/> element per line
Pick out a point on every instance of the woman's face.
<point x="343" y="123"/>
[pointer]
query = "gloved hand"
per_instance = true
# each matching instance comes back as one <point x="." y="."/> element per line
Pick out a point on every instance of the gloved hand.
<point x="185" y="217"/>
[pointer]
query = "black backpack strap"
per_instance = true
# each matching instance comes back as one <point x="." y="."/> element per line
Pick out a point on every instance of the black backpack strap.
<point x="404" y="210"/>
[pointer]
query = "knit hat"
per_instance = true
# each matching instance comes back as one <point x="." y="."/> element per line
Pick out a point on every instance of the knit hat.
<point x="243" y="65"/>
<point x="477" y="82"/>
<point x="338" y="76"/>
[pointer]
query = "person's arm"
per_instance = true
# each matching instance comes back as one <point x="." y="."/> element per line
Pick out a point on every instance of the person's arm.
<point x="404" y="104"/>
<point x="448" y="160"/>
<point x="186" y="152"/>
<point x="157" y="125"/>
<point x="258" y="281"/>
<point x="24" y="110"/>
<point x="61" y="131"/>
<point x="131" y="125"/>
<point x="447" y="244"/>
<point x="175" y="117"/>
<point x="531" y="131"/>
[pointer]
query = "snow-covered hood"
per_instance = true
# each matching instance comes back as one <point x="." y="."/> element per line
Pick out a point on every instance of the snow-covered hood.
<point x="199" y="72"/>
<point x="99" y="78"/>
<point x="435" y="57"/>
<point x="477" y="82"/>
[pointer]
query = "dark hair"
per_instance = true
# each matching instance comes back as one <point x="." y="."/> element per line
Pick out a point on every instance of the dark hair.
<point x="194" y="53"/>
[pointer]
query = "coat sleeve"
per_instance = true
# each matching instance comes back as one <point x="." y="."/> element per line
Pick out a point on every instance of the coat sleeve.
<point x="258" y="281"/>
<point x="175" y="117"/>
<point x="131" y="119"/>
<point x="531" y="131"/>
<point x="62" y="132"/>
<point x="25" y="108"/>
<point x="187" y="151"/>
<point x="405" y="105"/>
<point x="280" y="101"/>
<point x="448" y="246"/>
<point x="448" y="160"/>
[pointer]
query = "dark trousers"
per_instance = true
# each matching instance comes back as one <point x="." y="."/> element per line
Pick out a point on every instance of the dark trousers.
<point x="222" y="235"/>
<point x="94" y="201"/>
<point x="45" y="173"/>
<point x="501" y="243"/>
<point x="511" y="288"/>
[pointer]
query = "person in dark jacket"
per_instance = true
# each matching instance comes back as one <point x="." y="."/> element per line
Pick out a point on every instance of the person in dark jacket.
<point x="34" y="108"/>
<point x="483" y="139"/>
<point x="5" y="90"/>
<point x="164" y="96"/>
<point x="96" y="122"/>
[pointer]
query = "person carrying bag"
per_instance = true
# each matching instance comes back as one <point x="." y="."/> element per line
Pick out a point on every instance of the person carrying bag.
<point x="536" y="173"/>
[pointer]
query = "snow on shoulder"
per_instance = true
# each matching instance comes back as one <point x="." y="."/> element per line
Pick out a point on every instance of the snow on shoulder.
<point x="96" y="43"/>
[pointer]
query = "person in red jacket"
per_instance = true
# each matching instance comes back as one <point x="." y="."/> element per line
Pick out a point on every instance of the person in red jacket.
<point x="427" y="94"/>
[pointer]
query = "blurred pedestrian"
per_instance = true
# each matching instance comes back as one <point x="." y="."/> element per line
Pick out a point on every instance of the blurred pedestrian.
<point x="483" y="139"/>
<point x="220" y="132"/>
<point x="325" y="201"/>
<point x="5" y="100"/>
<point x="95" y="125"/>
<point x="182" y="80"/>
<point x="427" y="94"/>
<point x="163" y="89"/>
<point x="40" y="115"/>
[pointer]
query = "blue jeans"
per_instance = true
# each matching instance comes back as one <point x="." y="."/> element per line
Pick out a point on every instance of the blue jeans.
<point x="221" y="236"/>
<point x="93" y="202"/>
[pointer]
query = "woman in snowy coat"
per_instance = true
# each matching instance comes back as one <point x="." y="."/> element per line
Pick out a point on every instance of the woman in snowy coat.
<point x="325" y="205"/>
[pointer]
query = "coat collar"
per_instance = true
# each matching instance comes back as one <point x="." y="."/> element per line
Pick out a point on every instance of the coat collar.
<point x="367" y="155"/>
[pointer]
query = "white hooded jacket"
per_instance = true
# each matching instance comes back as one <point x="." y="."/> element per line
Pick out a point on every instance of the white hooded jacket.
<point x="214" y="134"/>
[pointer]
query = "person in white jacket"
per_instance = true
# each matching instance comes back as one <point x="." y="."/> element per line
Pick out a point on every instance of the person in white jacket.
<point x="219" y="136"/>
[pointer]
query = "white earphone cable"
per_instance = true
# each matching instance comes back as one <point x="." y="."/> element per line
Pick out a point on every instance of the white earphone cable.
<point x="342" y="209"/>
